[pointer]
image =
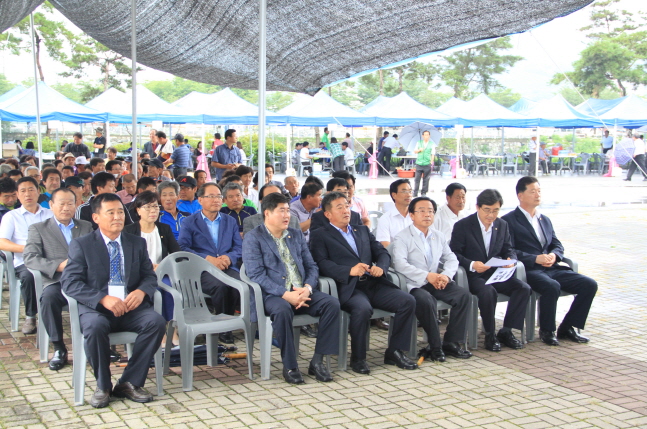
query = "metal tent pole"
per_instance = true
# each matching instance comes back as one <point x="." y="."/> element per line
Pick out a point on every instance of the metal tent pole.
<point x="133" y="56"/>
<point x="262" y="18"/>
<point x="33" y="51"/>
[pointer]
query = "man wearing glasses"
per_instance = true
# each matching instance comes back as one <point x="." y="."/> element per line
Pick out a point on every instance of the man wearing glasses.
<point x="397" y="218"/>
<point x="476" y="239"/>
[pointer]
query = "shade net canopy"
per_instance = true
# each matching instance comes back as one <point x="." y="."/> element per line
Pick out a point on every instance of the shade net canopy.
<point x="309" y="44"/>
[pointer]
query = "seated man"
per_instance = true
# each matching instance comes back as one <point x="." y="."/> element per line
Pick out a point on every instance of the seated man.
<point x="214" y="236"/>
<point x="52" y="181"/>
<point x="102" y="183"/>
<point x="452" y="212"/>
<point x="417" y="253"/>
<point x="306" y="206"/>
<point x="129" y="191"/>
<point x="537" y="246"/>
<point x="187" y="201"/>
<point x="111" y="276"/>
<point x="292" y="186"/>
<point x="46" y="251"/>
<point x="476" y="239"/>
<point x="233" y="196"/>
<point x="278" y="259"/>
<point x="335" y="185"/>
<point x="257" y="219"/>
<point x="358" y="263"/>
<point x="397" y="218"/>
<point x="8" y="197"/>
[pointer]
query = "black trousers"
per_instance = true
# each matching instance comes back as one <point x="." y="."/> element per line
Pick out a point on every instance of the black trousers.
<point x="605" y="150"/>
<point x="548" y="282"/>
<point x="640" y="160"/>
<point x="95" y="325"/>
<point x="27" y="290"/>
<point x="52" y="302"/>
<point x="427" y="309"/>
<point x="320" y="305"/>
<point x="384" y="158"/>
<point x="423" y="171"/>
<point x="382" y="294"/>
<point x="179" y="171"/>
<point x="518" y="291"/>
<point x="223" y="298"/>
<point x="532" y="167"/>
<point x="338" y="163"/>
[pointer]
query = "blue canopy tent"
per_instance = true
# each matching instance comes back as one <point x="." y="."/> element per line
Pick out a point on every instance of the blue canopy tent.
<point x="377" y="104"/>
<point x="402" y="110"/>
<point x="11" y="93"/>
<point x="631" y="112"/>
<point x="557" y="112"/>
<point x="596" y="107"/>
<point x="322" y="110"/>
<point x="522" y="106"/>
<point x="482" y="111"/>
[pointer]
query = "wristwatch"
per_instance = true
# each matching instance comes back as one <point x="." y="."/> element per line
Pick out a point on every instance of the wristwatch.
<point x="309" y="288"/>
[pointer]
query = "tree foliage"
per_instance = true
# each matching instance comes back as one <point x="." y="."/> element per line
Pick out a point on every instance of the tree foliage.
<point x="5" y="85"/>
<point x="505" y="97"/>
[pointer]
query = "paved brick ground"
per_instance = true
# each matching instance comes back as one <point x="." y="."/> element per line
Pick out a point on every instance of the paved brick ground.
<point x="601" y="384"/>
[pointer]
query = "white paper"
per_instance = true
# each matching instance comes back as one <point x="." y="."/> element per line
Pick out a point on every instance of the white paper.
<point x="498" y="262"/>
<point x="118" y="291"/>
<point x="501" y="275"/>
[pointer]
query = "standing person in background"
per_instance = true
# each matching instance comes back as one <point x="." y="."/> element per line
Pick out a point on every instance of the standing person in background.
<point x="216" y="141"/>
<point x="349" y="141"/>
<point x="165" y="147"/>
<point x="380" y="142"/>
<point x="99" y="143"/>
<point x="181" y="157"/>
<point x="29" y="149"/>
<point x="606" y="142"/>
<point x="243" y="156"/>
<point x="337" y="155"/>
<point x="384" y="157"/>
<point x="226" y="156"/>
<point x="532" y="158"/>
<point x="639" y="158"/>
<point x="424" y="163"/>
<point x="325" y="138"/>
<point x="77" y="147"/>
<point x="151" y="145"/>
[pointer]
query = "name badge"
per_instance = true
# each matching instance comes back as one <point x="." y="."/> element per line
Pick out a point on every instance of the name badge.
<point x="118" y="291"/>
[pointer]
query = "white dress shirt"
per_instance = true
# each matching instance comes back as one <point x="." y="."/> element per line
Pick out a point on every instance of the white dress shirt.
<point x="445" y="219"/>
<point x="15" y="225"/>
<point x="121" y="252"/>
<point x="534" y="221"/>
<point x="390" y="224"/>
<point x="487" y="238"/>
<point x="391" y="142"/>
<point x="639" y="145"/>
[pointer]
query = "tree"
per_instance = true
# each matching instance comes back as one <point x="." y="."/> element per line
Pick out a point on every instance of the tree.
<point x="346" y="93"/>
<point x="81" y="92"/>
<point x="5" y="85"/>
<point x="505" y="97"/>
<point x="176" y="88"/>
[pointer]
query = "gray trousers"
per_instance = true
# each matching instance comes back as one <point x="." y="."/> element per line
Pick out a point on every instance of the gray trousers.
<point x="532" y="164"/>
<point x="425" y="172"/>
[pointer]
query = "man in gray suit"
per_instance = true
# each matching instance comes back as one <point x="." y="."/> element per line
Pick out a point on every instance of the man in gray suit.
<point x="417" y="252"/>
<point x="46" y="251"/>
<point x="253" y="221"/>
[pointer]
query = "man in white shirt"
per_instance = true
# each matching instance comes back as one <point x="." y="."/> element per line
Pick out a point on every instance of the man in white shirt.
<point x="639" y="158"/>
<point x="417" y="253"/>
<point x="452" y="212"/>
<point x="305" y="158"/>
<point x="13" y="237"/>
<point x="349" y="155"/>
<point x="396" y="219"/>
<point x="532" y="150"/>
<point x="384" y="157"/>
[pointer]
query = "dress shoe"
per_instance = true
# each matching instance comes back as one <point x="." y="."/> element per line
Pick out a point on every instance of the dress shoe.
<point x="359" y="366"/>
<point x="380" y="324"/>
<point x="226" y="337"/>
<point x="59" y="360"/>
<point x="135" y="394"/>
<point x="626" y="180"/>
<point x="455" y="350"/>
<point x="29" y="327"/>
<point x="435" y="354"/>
<point x="491" y="343"/>
<point x="570" y="334"/>
<point x="100" y="398"/>
<point x="509" y="340"/>
<point x="293" y="376"/>
<point x="548" y="337"/>
<point x="309" y="331"/>
<point x="398" y="358"/>
<point x="115" y="356"/>
<point x="320" y="371"/>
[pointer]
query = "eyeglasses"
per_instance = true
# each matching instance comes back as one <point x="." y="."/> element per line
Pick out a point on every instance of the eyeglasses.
<point x="151" y="208"/>
<point x="490" y="211"/>
<point x="406" y="191"/>
<point x="212" y="197"/>
<point x="425" y="212"/>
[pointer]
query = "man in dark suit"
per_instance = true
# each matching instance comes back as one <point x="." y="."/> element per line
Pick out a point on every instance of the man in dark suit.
<point x="358" y="264"/>
<point x="277" y="258"/>
<point x="46" y="251"/>
<point x="335" y="184"/>
<point x="214" y="237"/>
<point x="541" y="252"/>
<point x="111" y="276"/>
<point x="476" y="239"/>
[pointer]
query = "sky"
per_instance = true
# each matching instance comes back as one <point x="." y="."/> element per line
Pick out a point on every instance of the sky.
<point x="547" y="49"/>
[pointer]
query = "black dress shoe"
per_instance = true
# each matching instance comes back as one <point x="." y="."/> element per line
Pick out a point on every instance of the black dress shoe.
<point x="398" y="358"/>
<point x="59" y="360"/>
<point x="360" y="366"/>
<point x="320" y="371"/>
<point x="226" y="337"/>
<point x="491" y="343"/>
<point x="100" y="398"/>
<point x="134" y="393"/>
<point x="293" y="376"/>
<point x="115" y="356"/>
<point x="548" y="337"/>
<point x="455" y="350"/>
<point x="309" y="331"/>
<point x="571" y="334"/>
<point x="380" y="324"/>
<point x="509" y="340"/>
<point x="430" y="353"/>
<point x="626" y="180"/>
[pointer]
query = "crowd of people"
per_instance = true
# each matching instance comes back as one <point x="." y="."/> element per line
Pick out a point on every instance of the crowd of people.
<point x="98" y="234"/>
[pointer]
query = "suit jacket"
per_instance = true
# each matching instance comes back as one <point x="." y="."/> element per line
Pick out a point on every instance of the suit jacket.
<point x="525" y="240"/>
<point x="253" y="221"/>
<point x="264" y="265"/>
<point x="468" y="245"/>
<point x="46" y="247"/>
<point x="336" y="258"/>
<point x="410" y="257"/>
<point x="319" y="219"/>
<point x="86" y="276"/>
<point x="196" y="238"/>
<point x="169" y="243"/>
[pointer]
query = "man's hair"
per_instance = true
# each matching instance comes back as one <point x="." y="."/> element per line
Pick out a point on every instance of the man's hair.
<point x="272" y="201"/>
<point x="31" y="168"/>
<point x="160" y="134"/>
<point x="334" y="182"/>
<point x="112" y="150"/>
<point x="230" y="132"/>
<point x="127" y="178"/>
<point x="386" y="133"/>
<point x="145" y="182"/>
<point x="95" y="161"/>
<point x="426" y="131"/>
<point x="85" y="175"/>
<point x="7" y="186"/>
<point x="269" y="166"/>
<point x="57" y="162"/>
<point x="59" y="190"/>
<point x="14" y="172"/>
<point x="217" y="136"/>
<point x="96" y="202"/>
<point x="325" y="129"/>
<point x="310" y="189"/>
<point x="77" y="134"/>
<point x="344" y="144"/>
<point x="393" y="187"/>
<point x="395" y="136"/>
<point x="305" y="144"/>
<point x="69" y="167"/>
<point x="333" y="140"/>
<point x="195" y="174"/>
<point x="285" y="181"/>
<point x="146" y="197"/>
<point x="204" y="187"/>
<point x="232" y="178"/>
<point x="326" y="203"/>
<point x="344" y="174"/>
<point x="261" y="193"/>
<point x="412" y="204"/>
<point x="49" y="171"/>
<point x="523" y="183"/>
<point x="452" y="187"/>
<point x="111" y="164"/>
<point x="26" y="179"/>
<point x="314" y="179"/>
<point x="347" y="134"/>
<point x="100" y="180"/>
<point x="489" y="197"/>
<point x="48" y="165"/>
<point x="232" y="187"/>
<point x="242" y="170"/>
<point x="168" y="184"/>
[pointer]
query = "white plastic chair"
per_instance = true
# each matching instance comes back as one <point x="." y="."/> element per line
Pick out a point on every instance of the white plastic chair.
<point x="192" y="316"/>
<point x="374" y="215"/>
<point x="14" y="291"/>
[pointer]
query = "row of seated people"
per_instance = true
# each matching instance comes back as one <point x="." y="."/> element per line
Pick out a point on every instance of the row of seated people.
<point x="286" y="267"/>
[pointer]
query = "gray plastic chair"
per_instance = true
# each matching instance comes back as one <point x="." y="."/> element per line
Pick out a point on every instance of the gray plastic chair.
<point x="510" y="164"/>
<point x="264" y="325"/>
<point x="192" y="316"/>
<point x="14" y="291"/>
<point x="374" y="216"/>
<point x="78" y="349"/>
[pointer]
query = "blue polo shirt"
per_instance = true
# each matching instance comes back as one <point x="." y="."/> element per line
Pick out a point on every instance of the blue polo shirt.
<point x="224" y="155"/>
<point x="181" y="156"/>
<point x="189" y="206"/>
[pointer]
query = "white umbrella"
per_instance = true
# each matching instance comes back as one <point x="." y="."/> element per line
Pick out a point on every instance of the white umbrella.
<point x="642" y="129"/>
<point x="412" y="134"/>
